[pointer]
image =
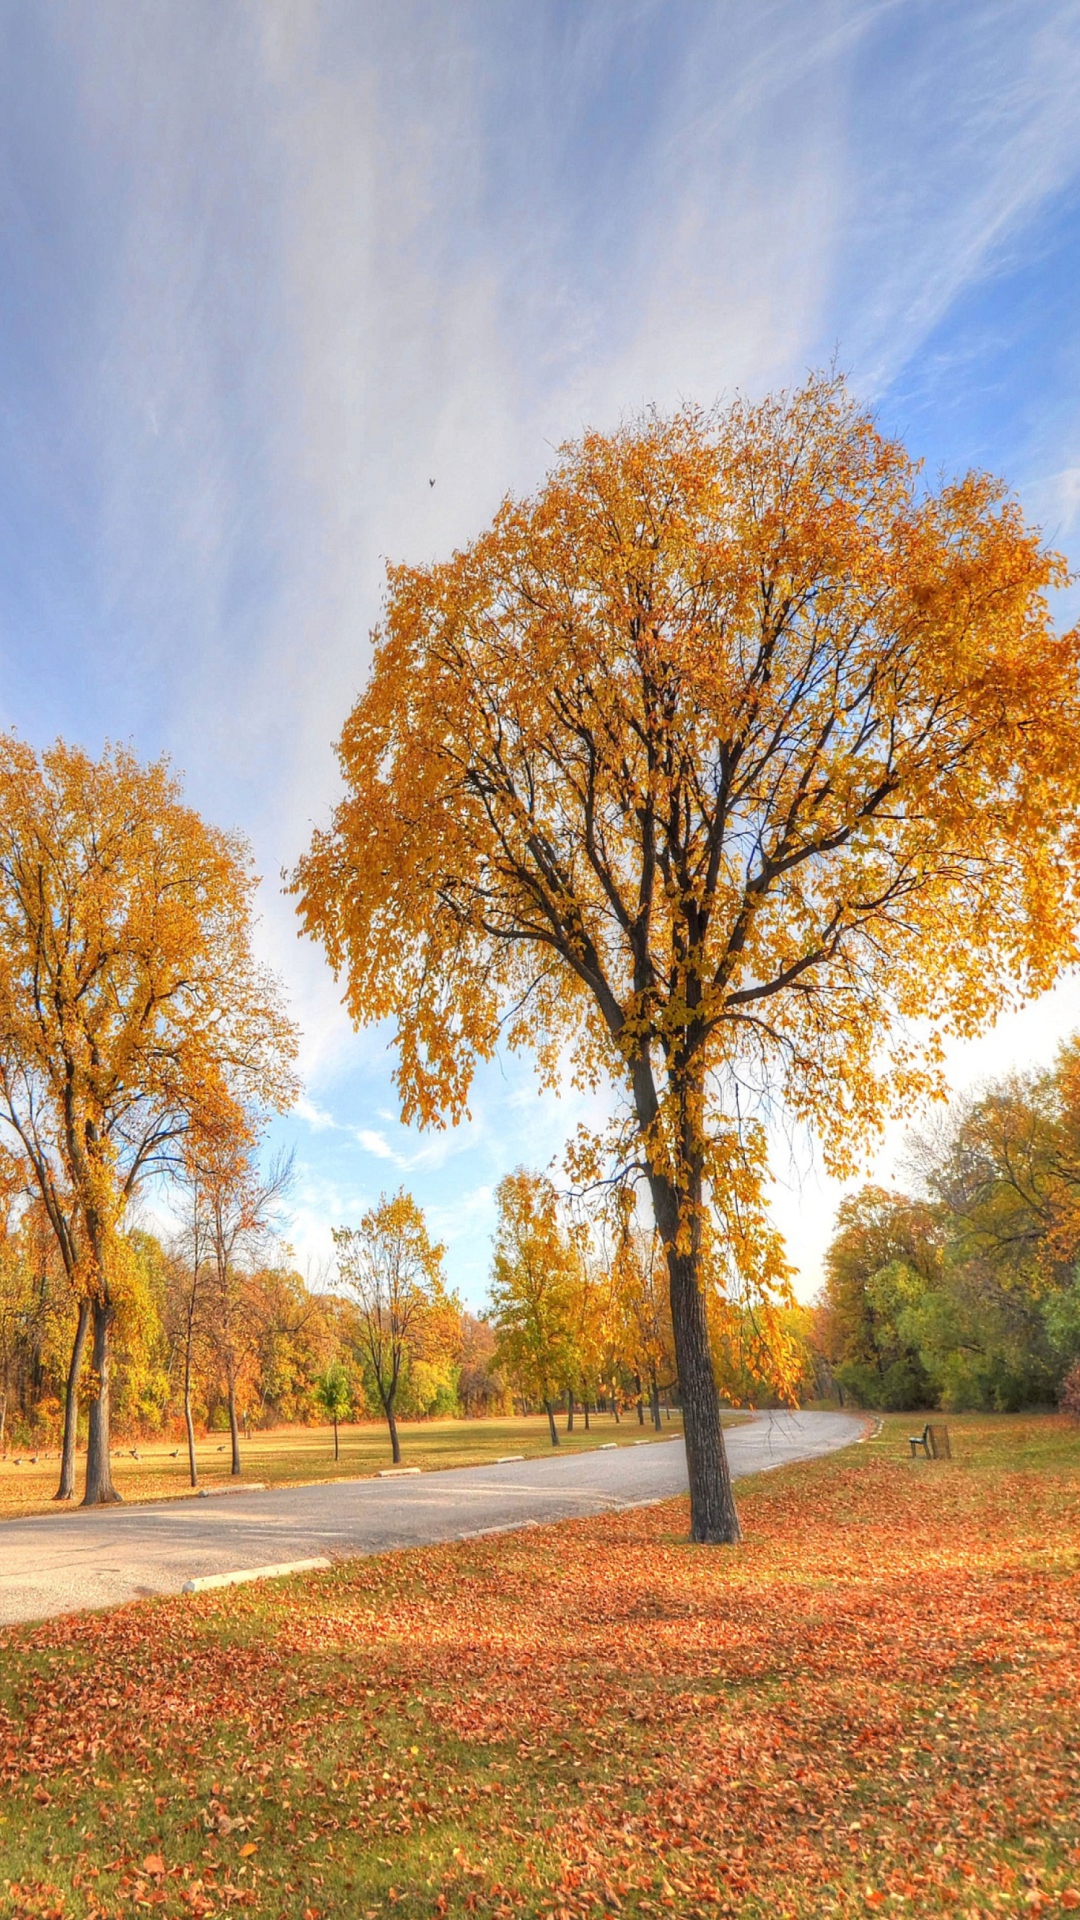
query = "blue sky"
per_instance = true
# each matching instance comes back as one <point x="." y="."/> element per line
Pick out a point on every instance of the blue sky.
<point x="267" y="268"/>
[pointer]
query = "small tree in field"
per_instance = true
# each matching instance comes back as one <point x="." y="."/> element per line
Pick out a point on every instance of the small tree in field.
<point x="533" y="1291"/>
<point x="333" y="1395"/>
<point x="721" y="762"/>
<point x="239" y="1208"/>
<point x="393" y="1274"/>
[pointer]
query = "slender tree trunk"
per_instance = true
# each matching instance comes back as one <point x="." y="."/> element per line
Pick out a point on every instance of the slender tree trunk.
<point x="654" y="1402"/>
<point x="569" y="1413"/>
<point x="190" y="1425"/>
<point x="66" y="1489"/>
<point x="585" y="1409"/>
<point x="615" y="1407"/>
<point x="234" y="1426"/>
<point x="640" y="1401"/>
<point x="550" y="1411"/>
<point x="3" y="1418"/>
<point x="395" y="1443"/>
<point x="100" y="1491"/>
<point x="335" y="1441"/>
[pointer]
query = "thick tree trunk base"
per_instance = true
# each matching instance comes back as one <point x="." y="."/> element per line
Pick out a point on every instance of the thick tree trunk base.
<point x="714" y="1520"/>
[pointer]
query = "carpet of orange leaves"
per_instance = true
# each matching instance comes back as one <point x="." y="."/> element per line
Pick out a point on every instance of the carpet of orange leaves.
<point x="873" y="1706"/>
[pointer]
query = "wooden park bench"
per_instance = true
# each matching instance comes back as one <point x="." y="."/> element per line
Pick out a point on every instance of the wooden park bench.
<point x="934" y="1441"/>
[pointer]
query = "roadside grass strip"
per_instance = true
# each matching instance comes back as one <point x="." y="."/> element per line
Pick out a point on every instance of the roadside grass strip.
<point x="869" y="1707"/>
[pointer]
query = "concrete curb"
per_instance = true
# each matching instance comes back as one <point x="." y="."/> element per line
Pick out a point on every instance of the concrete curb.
<point x="211" y="1493"/>
<point x="206" y="1581"/>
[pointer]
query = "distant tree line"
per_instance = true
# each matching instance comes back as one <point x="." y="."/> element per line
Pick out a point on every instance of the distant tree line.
<point x="964" y="1293"/>
<point x="261" y="1348"/>
<point x="217" y="1332"/>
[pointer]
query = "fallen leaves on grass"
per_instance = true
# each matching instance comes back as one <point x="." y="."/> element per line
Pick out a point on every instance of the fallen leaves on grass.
<point x="870" y="1707"/>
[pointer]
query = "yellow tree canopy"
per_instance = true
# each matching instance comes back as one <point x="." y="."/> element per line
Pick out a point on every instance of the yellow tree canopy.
<point x="535" y="1289"/>
<point x="735" y="741"/>
<point x="132" y="1009"/>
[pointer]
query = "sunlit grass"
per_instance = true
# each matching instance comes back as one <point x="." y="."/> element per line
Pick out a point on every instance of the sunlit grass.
<point x="296" y="1456"/>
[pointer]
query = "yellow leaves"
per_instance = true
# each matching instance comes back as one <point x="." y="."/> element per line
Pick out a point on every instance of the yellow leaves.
<point x="535" y="1287"/>
<point x="721" y="766"/>
<point x="132" y="1005"/>
<point x="392" y="1272"/>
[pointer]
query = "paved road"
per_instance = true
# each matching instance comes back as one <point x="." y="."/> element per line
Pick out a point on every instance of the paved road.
<point x="65" y="1561"/>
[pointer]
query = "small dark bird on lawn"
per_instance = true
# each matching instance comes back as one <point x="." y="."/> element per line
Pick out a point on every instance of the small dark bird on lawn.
<point x="133" y="1453"/>
<point x="431" y="483"/>
<point x="174" y="1453"/>
<point x="221" y="1449"/>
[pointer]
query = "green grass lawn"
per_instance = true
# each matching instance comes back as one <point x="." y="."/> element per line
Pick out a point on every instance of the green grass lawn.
<point x="294" y="1456"/>
<point x="870" y="1707"/>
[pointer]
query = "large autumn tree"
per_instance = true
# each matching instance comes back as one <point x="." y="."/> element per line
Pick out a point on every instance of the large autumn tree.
<point x="724" y="759"/>
<point x="133" y="1014"/>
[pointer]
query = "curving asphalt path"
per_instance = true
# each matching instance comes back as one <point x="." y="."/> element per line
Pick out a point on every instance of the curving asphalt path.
<point x="64" y="1562"/>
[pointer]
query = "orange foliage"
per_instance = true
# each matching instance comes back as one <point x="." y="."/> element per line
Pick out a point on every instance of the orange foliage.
<point x="596" y="1718"/>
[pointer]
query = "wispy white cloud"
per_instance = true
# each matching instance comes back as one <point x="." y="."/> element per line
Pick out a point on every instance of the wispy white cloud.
<point x="378" y="1145"/>
<point x="314" y="1116"/>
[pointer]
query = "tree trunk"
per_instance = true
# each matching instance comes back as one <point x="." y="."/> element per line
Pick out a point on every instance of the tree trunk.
<point x="100" y="1491"/>
<point x="190" y="1425"/>
<point x="550" y="1411"/>
<point x="234" y="1428"/>
<point x="585" y="1409"/>
<point x="66" y="1489"/>
<point x="615" y="1407"/>
<point x="335" y="1441"/>
<point x="713" y="1516"/>
<point x="569" y="1413"/>
<point x="654" y="1402"/>
<point x="640" y="1401"/>
<point x="395" y="1443"/>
